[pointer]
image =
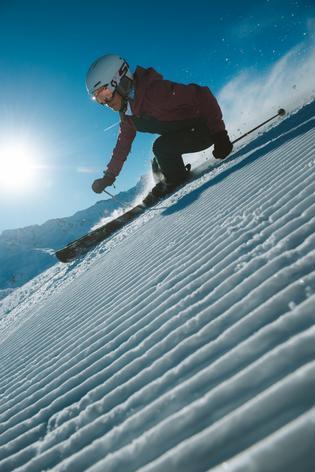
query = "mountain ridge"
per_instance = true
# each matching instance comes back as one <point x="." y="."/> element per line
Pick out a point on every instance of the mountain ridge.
<point x="26" y="252"/>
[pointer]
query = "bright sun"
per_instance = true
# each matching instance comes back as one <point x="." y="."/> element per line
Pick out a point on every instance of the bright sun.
<point x="17" y="167"/>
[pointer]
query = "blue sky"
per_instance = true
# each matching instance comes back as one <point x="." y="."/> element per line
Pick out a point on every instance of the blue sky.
<point x="46" y="48"/>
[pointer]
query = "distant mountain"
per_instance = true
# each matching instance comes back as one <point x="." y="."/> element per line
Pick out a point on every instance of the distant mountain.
<point x="26" y="252"/>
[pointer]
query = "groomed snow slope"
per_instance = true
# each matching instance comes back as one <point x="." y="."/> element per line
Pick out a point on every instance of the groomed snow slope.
<point x="184" y="343"/>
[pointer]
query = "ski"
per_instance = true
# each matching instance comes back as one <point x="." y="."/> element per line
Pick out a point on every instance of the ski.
<point x="87" y="242"/>
<point x="82" y="245"/>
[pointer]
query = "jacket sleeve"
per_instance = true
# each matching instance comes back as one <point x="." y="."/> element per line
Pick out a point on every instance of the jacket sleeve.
<point x="210" y="110"/>
<point x="125" y="139"/>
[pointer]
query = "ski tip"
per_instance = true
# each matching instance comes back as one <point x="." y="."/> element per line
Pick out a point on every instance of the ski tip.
<point x="281" y="112"/>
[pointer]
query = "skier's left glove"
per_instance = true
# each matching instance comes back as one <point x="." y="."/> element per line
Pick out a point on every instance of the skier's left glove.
<point x="222" y="145"/>
<point x="99" y="185"/>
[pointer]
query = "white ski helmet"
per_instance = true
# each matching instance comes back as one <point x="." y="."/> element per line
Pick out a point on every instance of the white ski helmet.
<point x="112" y="71"/>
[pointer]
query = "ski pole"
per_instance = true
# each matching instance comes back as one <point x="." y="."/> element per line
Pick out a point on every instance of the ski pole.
<point x="117" y="199"/>
<point x="281" y="112"/>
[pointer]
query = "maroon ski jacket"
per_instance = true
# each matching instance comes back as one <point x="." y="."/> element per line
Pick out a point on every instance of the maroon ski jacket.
<point x="163" y="102"/>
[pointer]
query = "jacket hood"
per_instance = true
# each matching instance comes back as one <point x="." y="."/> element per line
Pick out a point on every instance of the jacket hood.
<point x="143" y="78"/>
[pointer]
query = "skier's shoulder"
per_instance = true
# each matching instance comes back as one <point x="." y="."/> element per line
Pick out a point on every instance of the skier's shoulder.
<point x="152" y="86"/>
<point x="148" y="80"/>
<point x="146" y="75"/>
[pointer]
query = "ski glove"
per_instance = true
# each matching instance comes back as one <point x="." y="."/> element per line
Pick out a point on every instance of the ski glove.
<point x="99" y="185"/>
<point x="222" y="145"/>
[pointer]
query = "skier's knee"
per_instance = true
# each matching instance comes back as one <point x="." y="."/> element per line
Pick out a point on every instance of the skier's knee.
<point x="158" y="146"/>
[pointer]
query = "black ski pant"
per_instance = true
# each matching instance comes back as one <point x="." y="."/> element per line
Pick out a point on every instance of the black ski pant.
<point x="170" y="146"/>
<point x="177" y="138"/>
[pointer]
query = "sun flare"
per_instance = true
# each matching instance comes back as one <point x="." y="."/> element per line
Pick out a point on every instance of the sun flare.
<point x="17" y="167"/>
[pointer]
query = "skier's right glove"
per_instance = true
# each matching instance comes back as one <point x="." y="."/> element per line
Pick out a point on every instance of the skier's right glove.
<point x="222" y="145"/>
<point x="99" y="185"/>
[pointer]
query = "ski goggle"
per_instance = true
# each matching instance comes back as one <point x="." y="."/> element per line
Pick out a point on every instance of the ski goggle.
<point x="102" y="95"/>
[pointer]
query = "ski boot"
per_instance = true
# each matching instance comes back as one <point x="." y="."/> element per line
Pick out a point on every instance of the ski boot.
<point x="164" y="188"/>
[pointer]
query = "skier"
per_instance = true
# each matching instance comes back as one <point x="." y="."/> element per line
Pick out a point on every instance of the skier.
<point x="187" y="118"/>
